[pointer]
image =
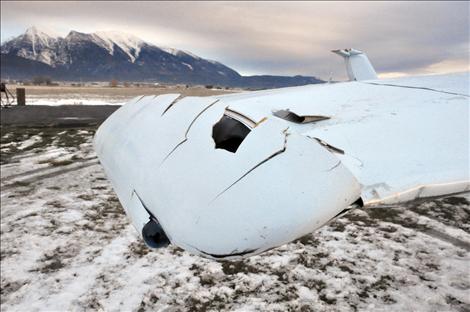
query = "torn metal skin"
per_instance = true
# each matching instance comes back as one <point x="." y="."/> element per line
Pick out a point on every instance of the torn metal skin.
<point x="171" y="104"/>
<point x="300" y="119"/>
<point x="282" y="150"/>
<point x="187" y="131"/>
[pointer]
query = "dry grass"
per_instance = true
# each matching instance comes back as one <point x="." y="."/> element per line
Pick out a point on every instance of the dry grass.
<point x="119" y="91"/>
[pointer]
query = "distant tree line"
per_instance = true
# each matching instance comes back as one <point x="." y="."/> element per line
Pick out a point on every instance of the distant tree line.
<point x="42" y="81"/>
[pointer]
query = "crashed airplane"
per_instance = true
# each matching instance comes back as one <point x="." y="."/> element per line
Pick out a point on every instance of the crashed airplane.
<point x="234" y="175"/>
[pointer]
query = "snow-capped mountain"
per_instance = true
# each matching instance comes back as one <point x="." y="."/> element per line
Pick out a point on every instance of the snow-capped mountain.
<point x="36" y="45"/>
<point x="114" y="55"/>
<point x="40" y="46"/>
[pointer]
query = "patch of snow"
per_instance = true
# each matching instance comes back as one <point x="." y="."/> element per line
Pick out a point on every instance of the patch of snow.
<point x="73" y="101"/>
<point x="188" y="65"/>
<point x="29" y="142"/>
<point x="171" y="51"/>
<point x="191" y="54"/>
<point x="213" y="62"/>
<point x="306" y="294"/>
<point x="131" y="45"/>
<point x="46" y="57"/>
<point x="41" y="34"/>
<point x="177" y="52"/>
<point x="26" y="54"/>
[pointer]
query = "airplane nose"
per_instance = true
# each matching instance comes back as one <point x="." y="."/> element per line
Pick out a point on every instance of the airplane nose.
<point x="218" y="189"/>
<point x="154" y="236"/>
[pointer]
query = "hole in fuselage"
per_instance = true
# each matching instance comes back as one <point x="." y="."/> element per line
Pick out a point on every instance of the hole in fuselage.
<point x="229" y="133"/>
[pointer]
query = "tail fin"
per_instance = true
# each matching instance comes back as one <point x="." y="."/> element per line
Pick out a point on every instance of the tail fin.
<point x="358" y="65"/>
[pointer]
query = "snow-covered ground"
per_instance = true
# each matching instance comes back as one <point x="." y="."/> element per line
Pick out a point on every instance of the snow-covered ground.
<point x="67" y="245"/>
<point x="77" y="99"/>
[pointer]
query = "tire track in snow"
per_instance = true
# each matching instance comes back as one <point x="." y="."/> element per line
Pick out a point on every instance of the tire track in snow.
<point x="48" y="175"/>
<point x="34" y="171"/>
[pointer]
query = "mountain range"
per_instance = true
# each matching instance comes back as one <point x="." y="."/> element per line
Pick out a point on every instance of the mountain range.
<point x="102" y="56"/>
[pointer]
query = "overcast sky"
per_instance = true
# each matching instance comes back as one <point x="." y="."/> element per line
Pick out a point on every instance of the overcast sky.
<point x="281" y="38"/>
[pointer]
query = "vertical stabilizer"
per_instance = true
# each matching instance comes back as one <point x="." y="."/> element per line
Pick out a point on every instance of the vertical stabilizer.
<point x="358" y="65"/>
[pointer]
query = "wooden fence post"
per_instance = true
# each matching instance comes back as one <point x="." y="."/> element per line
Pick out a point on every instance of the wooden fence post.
<point x="20" y="96"/>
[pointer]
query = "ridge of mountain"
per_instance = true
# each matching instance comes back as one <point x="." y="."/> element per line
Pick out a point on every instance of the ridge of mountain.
<point x="107" y="55"/>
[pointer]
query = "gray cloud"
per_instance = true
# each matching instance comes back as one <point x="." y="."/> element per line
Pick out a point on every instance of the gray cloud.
<point x="273" y="37"/>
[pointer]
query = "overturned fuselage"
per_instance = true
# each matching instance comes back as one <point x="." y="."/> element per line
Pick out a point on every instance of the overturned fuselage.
<point x="234" y="175"/>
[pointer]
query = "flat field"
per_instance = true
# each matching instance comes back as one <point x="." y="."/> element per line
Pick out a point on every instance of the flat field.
<point x="67" y="245"/>
<point x="100" y="95"/>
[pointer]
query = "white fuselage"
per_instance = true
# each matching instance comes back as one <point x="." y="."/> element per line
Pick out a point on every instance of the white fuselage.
<point x="381" y="141"/>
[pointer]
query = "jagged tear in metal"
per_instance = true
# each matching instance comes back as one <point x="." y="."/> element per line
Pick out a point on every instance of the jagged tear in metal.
<point x="293" y="117"/>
